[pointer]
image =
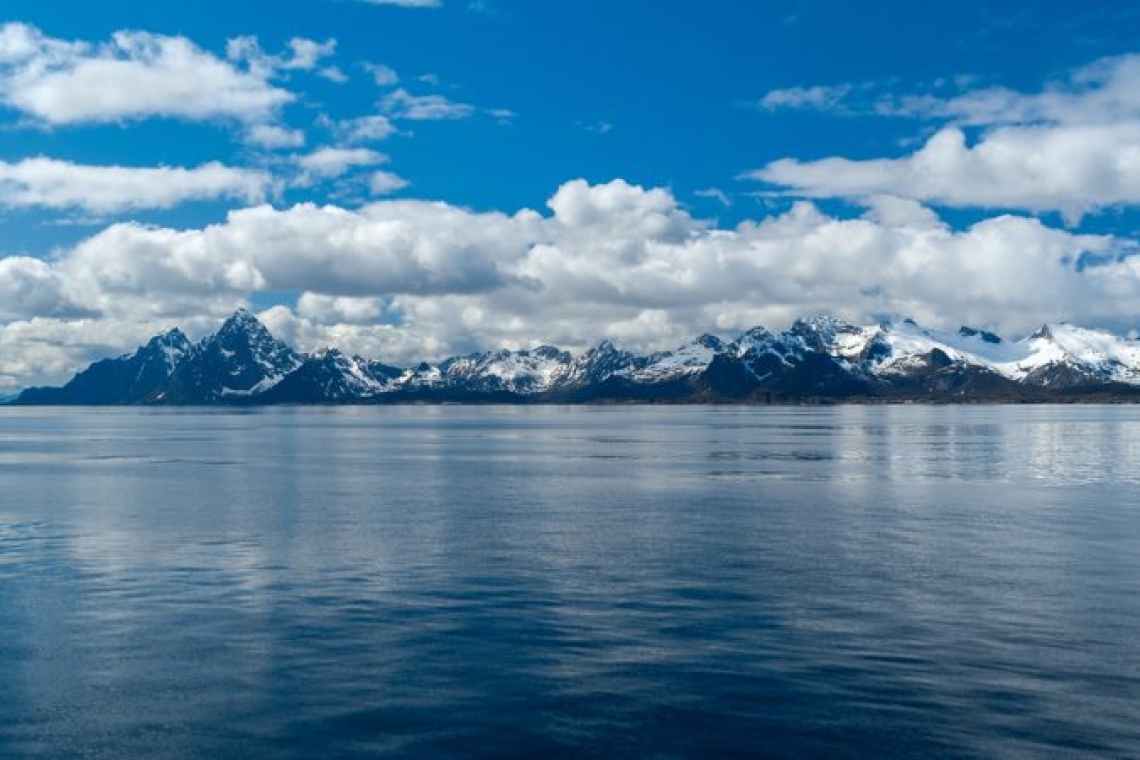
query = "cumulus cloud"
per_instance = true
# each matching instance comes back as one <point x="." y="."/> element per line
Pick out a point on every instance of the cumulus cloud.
<point x="1106" y="91"/>
<point x="1074" y="170"/>
<point x="323" y="309"/>
<point x="1073" y="147"/>
<point x="136" y="75"/>
<point x="272" y="137"/>
<point x="50" y="183"/>
<point x="303" y="55"/>
<point x="31" y="287"/>
<point x="363" y="129"/>
<point x="333" y="74"/>
<point x="329" y="162"/>
<point x="383" y="76"/>
<point x="384" y="183"/>
<point x="402" y="104"/>
<point x="819" y="98"/>
<point x="409" y="279"/>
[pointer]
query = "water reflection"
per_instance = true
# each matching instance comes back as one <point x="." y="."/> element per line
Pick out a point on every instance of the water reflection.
<point x="625" y="581"/>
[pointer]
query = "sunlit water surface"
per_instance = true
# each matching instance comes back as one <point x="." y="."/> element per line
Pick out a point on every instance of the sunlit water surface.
<point x="537" y="582"/>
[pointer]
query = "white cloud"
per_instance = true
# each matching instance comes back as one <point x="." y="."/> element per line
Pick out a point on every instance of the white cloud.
<point x="599" y="128"/>
<point x="383" y="76"/>
<point x="406" y="279"/>
<point x="50" y="183"/>
<point x="307" y="54"/>
<point x="716" y="194"/>
<point x="817" y="98"/>
<point x="407" y="3"/>
<point x="365" y="129"/>
<point x="326" y="163"/>
<point x="333" y="74"/>
<point x="1073" y="170"/>
<point x="340" y="309"/>
<point x="1073" y="147"/>
<point x="304" y="55"/>
<point x="402" y="104"/>
<point x="273" y="137"/>
<point x="135" y="75"/>
<point x="1106" y="91"/>
<point x="30" y="287"/>
<point x="385" y="183"/>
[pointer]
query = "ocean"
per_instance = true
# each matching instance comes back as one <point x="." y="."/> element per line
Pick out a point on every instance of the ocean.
<point x="611" y="581"/>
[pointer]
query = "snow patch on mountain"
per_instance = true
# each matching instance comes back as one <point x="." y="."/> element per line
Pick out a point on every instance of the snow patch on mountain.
<point x="527" y="371"/>
<point x="1094" y="353"/>
<point x="686" y="361"/>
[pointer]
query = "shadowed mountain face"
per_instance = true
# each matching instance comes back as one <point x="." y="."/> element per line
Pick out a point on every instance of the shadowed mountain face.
<point x="240" y="361"/>
<point x="816" y="360"/>
<point x="127" y="379"/>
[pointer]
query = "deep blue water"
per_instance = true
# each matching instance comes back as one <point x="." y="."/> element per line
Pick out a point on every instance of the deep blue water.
<point x="542" y="582"/>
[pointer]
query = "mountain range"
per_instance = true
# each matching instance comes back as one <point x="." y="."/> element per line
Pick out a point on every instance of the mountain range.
<point x="817" y="360"/>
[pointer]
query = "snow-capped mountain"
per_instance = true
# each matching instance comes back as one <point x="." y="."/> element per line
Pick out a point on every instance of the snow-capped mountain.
<point x="125" y="379"/>
<point x="241" y="360"/>
<point x="687" y="361"/>
<point x="822" y="358"/>
<point x="598" y="364"/>
<point x="327" y="375"/>
<point x="523" y="372"/>
<point x="1056" y="356"/>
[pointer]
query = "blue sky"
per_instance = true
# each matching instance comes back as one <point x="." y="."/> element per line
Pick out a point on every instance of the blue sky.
<point x="739" y="163"/>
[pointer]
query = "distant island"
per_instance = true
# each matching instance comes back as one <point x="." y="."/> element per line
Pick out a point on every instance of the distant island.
<point x="819" y="360"/>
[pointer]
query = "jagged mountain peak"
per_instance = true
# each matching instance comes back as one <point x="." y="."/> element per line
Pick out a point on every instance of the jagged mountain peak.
<point x="126" y="379"/>
<point x="242" y="315"/>
<point x="240" y="360"/>
<point x="832" y="336"/>
<point x="522" y="371"/>
<point x="710" y="341"/>
<point x="329" y="354"/>
<point x="822" y="323"/>
<point x="549" y="352"/>
<point x="752" y="340"/>
<point x="172" y="341"/>
<point x="242" y="323"/>
<point x="599" y="363"/>
<point x="172" y="346"/>
<point x="173" y="336"/>
<point x="685" y="362"/>
<point x="243" y="328"/>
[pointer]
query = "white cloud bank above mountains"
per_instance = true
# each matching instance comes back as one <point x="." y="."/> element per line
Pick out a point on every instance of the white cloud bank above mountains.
<point x="406" y="279"/>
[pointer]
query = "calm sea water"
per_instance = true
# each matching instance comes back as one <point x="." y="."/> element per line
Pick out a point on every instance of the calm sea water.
<point x="542" y="582"/>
